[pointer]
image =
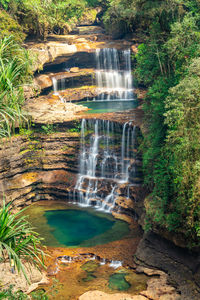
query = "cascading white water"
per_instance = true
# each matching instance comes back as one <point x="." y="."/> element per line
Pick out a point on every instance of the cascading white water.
<point x="103" y="163"/>
<point x="113" y="74"/>
<point x="55" y="89"/>
<point x="55" y="85"/>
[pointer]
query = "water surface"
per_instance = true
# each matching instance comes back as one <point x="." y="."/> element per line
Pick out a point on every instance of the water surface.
<point x="63" y="225"/>
<point x="102" y="106"/>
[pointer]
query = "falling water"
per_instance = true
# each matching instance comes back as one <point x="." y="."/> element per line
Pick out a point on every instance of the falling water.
<point x="113" y="74"/>
<point x="103" y="165"/>
<point x="55" y="85"/>
<point x="55" y="88"/>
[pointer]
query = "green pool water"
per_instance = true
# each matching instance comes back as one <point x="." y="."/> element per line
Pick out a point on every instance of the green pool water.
<point x="67" y="225"/>
<point x="73" y="227"/>
<point x="109" y="106"/>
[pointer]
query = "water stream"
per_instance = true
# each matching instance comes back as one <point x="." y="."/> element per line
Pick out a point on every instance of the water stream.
<point x="113" y="74"/>
<point x="105" y="161"/>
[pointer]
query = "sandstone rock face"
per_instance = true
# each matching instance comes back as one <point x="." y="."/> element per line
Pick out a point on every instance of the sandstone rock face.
<point x="97" y="295"/>
<point x="43" y="81"/>
<point x="86" y="38"/>
<point x="52" y="110"/>
<point x="39" y="166"/>
<point x="47" y="52"/>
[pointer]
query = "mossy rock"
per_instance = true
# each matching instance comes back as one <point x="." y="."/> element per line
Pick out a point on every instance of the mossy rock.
<point x="90" y="266"/>
<point x="118" y="282"/>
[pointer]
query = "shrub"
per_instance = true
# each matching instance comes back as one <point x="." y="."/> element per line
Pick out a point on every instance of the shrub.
<point x="19" y="243"/>
<point x="9" y="26"/>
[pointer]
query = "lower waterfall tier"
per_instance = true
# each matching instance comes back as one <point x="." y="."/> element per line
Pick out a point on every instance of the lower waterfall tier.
<point x="108" y="155"/>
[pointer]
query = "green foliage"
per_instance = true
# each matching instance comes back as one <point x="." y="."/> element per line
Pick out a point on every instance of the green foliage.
<point x="142" y="14"/>
<point x="39" y="295"/>
<point x="167" y="63"/>
<point x="9" y="26"/>
<point x="48" y="128"/>
<point x="14" y="70"/>
<point x="9" y="294"/>
<point x="4" y="3"/>
<point x="169" y="66"/>
<point x="39" y="18"/>
<point x="18" y="241"/>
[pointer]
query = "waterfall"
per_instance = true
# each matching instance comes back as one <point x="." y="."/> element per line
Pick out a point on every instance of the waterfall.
<point x="106" y="156"/>
<point x="55" y="85"/>
<point x="113" y="74"/>
<point x="55" y="88"/>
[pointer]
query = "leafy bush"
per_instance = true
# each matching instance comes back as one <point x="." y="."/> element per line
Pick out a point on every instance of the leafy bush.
<point x="14" y="71"/>
<point x="19" y="243"/>
<point x="9" y="294"/>
<point x="38" y="17"/>
<point x="9" y="26"/>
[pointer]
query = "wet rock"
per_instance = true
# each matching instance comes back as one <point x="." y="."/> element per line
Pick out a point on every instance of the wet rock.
<point x="46" y="111"/>
<point x="90" y="266"/>
<point x="52" y="269"/>
<point x="149" y="272"/>
<point x="124" y="202"/>
<point x="74" y="70"/>
<point x="44" y="81"/>
<point x="134" y="48"/>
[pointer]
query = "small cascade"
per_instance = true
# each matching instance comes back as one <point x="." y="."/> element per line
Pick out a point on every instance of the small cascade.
<point x="115" y="264"/>
<point x="59" y="84"/>
<point x="55" y="88"/>
<point x="55" y="85"/>
<point x="113" y="74"/>
<point x="103" y="164"/>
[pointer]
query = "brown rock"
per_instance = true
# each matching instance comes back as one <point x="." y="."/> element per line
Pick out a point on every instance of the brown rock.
<point x="149" y="272"/>
<point x="158" y="287"/>
<point x="18" y="280"/>
<point x="44" y="81"/>
<point x="74" y="70"/>
<point x="97" y="295"/>
<point x="134" y="48"/>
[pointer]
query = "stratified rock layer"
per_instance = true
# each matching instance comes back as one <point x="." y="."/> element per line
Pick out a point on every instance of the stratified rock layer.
<point x="38" y="166"/>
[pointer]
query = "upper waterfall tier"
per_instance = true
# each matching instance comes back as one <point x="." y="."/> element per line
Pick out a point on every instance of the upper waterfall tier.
<point x="113" y="74"/>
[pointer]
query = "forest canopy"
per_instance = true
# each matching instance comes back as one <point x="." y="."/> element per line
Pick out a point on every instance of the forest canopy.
<point x="40" y="17"/>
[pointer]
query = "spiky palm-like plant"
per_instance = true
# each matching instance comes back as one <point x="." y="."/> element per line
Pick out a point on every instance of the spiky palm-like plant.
<point x="19" y="243"/>
<point x="14" y="71"/>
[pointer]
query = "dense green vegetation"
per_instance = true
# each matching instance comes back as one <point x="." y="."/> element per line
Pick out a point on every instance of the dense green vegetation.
<point x="38" y="17"/>
<point x="14" y="72"/>
<point x="18" y="242"/>
<point x="168" y="64"/>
